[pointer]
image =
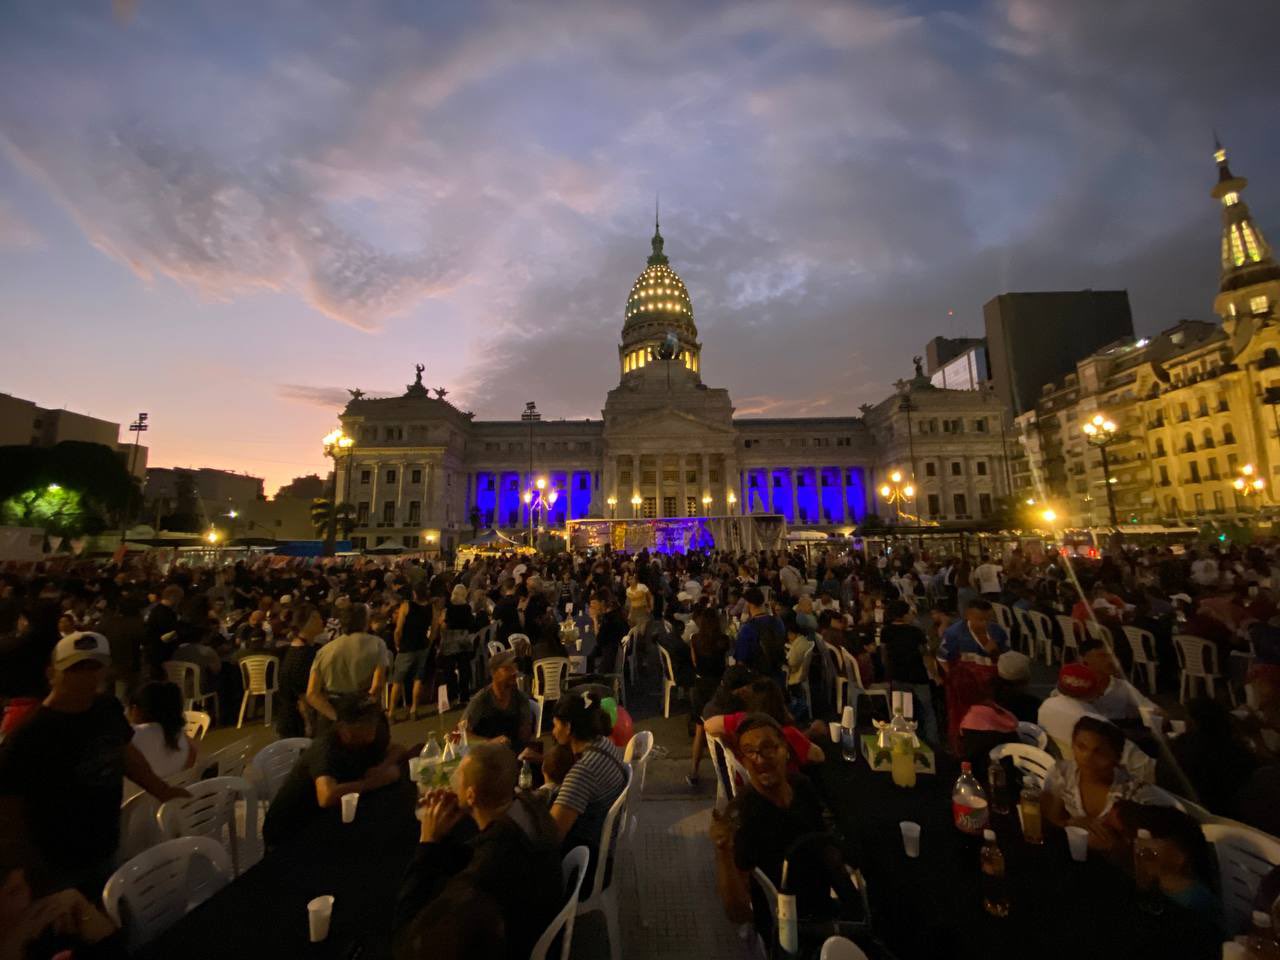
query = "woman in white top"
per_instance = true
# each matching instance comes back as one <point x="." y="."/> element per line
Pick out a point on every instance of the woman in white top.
<point x="159" y="728"/>
<point x="1083" y="791"/>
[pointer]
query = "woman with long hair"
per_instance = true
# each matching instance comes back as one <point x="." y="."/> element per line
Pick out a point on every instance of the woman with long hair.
<point x="294" y="716"/>
<point x="708" y="650"/>
<point x="159" y="728"/>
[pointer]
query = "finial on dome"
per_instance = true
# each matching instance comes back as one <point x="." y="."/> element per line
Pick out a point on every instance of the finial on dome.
<point x="657" y="257"/>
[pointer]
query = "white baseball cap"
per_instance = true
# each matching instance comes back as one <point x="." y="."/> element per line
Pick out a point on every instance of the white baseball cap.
<point x="83" y="645"/>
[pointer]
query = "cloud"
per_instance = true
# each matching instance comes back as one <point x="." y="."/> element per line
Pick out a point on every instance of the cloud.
<point x="16" y="233"/>
<point x="327" y="397"/>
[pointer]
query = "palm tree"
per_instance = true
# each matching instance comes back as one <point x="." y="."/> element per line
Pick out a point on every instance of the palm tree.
<point x="323" y="515"/>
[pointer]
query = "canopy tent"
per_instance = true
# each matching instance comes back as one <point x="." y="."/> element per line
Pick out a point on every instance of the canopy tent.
<point x="492" y="538"/>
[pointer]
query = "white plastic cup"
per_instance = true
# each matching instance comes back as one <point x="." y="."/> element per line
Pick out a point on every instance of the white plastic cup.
<point x="415" y="769"/>
<point x="1151" y="719"/>
<point x="847" y="718"/>
<point x="910" y="838"/>
<point x="1179" y="727"/>
<point x="319" y="912"/>
<point x="1078" y="840"/>
<point x="349" y="801"/>
<point x="835" y="731"/>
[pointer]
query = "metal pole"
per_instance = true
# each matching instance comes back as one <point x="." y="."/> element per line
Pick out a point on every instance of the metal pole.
<point x="1106" y="478"/>
<point x="331" y="529"/>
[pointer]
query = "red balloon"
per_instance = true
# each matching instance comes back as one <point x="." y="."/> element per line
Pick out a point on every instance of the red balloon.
<point x="622" y="728"/>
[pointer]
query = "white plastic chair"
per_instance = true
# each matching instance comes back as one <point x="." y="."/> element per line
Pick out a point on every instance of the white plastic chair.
<point x="1004" y="617"/>
<point x="806" y="665"/>
<point x="496" y="647"/>
<point x="604" y="898"/>
<point x="1071" y="634"/>
<point x="838" y="948"/>
<point x="1031" y="761"/>
<point x="1041" y="633"/>
<point x="261" y="677"/>
<point x="272" y="764"/>
<point x="138" y="828"/>
<point x="639" y="750"/>
<point x="224" y="809"/>
<point x="550" y="677"/>
<point x="230" y="761"/>
<point x="1033" y="735"/>
<point x="186" y="676"/>
<point x="731" y="775"/>
<point x="517" y="640"/>
<point x="1198" y="662"/>
<point x="668" y="680"/>
<point x="835" y="663"/>
<point x="1245" y="856"/>
<point x="158" y="887"/>
<point x="535" y="707"/>
<point x="1142" y="643"/>
<point x="1097" y="631"/>
<point x="573" y="868"/>
<point x="198" y="723"/>
<point x="770" y="892"/>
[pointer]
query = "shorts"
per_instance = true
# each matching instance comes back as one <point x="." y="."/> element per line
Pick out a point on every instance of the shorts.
<point x="410" y="666"/>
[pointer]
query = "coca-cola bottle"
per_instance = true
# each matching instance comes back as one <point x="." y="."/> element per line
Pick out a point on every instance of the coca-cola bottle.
<point x="969" y="802"/>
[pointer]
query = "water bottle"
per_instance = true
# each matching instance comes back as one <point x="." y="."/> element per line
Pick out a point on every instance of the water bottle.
<point x="526" y="776"/>
<point x="995" y="895"/>
<point x="432" y="757"/>
<point x="969" y="802"/>
<point x="998" y="784"/>
<point x="1146" y="874"/>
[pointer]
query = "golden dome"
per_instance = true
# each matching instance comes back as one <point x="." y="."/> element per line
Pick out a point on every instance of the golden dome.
<point x="658" y="298"/>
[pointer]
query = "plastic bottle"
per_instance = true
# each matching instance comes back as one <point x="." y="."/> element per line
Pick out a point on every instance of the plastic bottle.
<point x="969" y="802"/>
<point x="1260" y="942"/>
<point x="526" y="776"/>
<point x="1029" y="814"/>
<point x="788" y="928"/>
<point x="1146" y="874"/>
<point x="995" y="895"/>
<point x="432" y="757"/>
<point x="998" y="784"/>
<point x="902" y="751"/>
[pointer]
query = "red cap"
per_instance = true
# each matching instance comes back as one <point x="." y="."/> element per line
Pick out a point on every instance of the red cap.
<point x="1077" y="680"/>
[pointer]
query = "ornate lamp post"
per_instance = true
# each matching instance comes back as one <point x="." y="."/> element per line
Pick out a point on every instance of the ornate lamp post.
<point x="1101" y="433"/>
<point x="612" y="501"/>
<point x="635" y="505"/>
<point x="897" y="493"/>
<point x="1249" y="483"/>
<point x="732" y="499"/>
<point x="336" y="444"/>
<point x="706" y="505"/>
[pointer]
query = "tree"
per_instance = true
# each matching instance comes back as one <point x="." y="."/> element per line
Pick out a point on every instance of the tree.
<point x="68" y="489"/>
<point x="322" y="514"/>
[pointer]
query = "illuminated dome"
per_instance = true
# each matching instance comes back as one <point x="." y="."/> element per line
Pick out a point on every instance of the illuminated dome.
<point x="658" y="305"/>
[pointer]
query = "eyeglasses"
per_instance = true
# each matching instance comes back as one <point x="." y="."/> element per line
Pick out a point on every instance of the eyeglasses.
<point x="766" y="751"/>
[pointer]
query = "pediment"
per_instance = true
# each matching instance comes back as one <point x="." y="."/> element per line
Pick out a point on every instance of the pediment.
<point x="665" y="423"/>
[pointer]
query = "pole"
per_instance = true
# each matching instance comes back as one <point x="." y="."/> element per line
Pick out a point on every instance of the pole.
<point x="331" y="530"/>
<point x="1106" y="479"/>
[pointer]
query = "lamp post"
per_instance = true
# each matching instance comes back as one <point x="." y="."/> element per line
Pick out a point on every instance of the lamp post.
<point x="732" y="499"/>
<point x="530" y="416"/>
<point x="706" y="506"/>
<point x="336" y="444"/>
<point x="1248" y="483"/>
<point x="635" y="505"/>
<point x="137" y="428"/>
<point x="612" y="501"/>
<point x="1101" y="433"/>
<point x="897" y="493"/>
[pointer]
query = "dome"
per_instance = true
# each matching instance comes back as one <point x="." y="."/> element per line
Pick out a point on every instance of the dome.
<point x="658" y="300"/>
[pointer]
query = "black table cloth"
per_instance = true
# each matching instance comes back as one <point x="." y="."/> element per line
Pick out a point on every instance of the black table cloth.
<point x="264" y="912"/>
<point x="931" y="907"/>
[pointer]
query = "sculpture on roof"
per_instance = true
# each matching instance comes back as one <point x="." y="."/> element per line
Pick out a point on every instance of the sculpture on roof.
<point x="919" y="366"/>
<point x="355" y="394"/>
<point x="441" y="393"/>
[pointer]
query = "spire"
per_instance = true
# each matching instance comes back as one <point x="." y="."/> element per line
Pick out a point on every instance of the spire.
<point x="657" y="258"/>
<point x="1246" y="257"/>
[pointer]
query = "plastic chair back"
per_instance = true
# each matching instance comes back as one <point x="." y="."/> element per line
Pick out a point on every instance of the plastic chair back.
<point x="1033" y="735"/>
<point x="138" y="828"/>
<point x="549" y="676"/>
<point x="611" y="835"/>
<point x="735" y="774"/>
<point x="158" y="887"/>
<point x="1196" y="657"/>
<point x="639" y="749"/>
<point x="838" y="948"/>
<point x="198" y="723"/>
<point x="1245" y="856"/>
<point x="186" y="677"/>
<point x="1004" y="617"/>
<point x="496" y="647"/>
<point x="230" y="761"/>
<point x="668" y="669"/>
<point x="573" y="869"/>
<point x="272" y="764"/>
<point x="1098" y="632"/>
<point x="260" y="674"/>
<point x="212" y="811"/>
<point x="1031" y="761"/>
<point x="1070" y="628"/>
<point x="518" y="641"/>
<point x="1042" y="629"/>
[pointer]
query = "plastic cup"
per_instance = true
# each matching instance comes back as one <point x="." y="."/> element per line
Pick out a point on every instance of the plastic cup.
<point x="1151" y="719"/>
<point x="1078" y="839"/>
<point x="349" y="801"/>
<point x="319" y="912"/>
<point x="415" y="769"/>
<point x="847" y="718"/>
<point x="1179" y="727"/>
<point x="835" y="731"/>
<point x="910" y="838"/>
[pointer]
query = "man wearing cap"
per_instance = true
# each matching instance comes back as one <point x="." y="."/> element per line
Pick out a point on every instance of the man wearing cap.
<point x="500" y="711"/>
<point x="1013" y="674"/>
<point x="62" y="773"/>
<point x="1078" y="687"/>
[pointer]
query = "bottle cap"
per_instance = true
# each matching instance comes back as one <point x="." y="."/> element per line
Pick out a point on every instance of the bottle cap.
<point x="1144" y="834"/>
<point x="989" y="835"/>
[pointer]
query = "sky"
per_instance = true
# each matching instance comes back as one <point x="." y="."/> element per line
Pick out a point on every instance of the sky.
<point x="228" y="213"/>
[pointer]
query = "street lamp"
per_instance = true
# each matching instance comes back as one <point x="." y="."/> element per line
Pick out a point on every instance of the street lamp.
<point x="635" y="505"/>
<point x="336" y="444"/>
<point x="706" y="506"/>
<point x="1100" y="432"/>
<point x="732" y="498"/>
<point x="530" y="416"/>
<point x="1249" y="483"/>
<point x="612" y="501"/>
<point x="897" y="492"/>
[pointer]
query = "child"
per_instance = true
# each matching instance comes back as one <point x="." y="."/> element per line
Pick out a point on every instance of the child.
<point x="555" y="764"/>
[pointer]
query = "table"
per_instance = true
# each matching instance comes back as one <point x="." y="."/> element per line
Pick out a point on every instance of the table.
<point x="931" y="907"/>
<point x="264" y="912"/>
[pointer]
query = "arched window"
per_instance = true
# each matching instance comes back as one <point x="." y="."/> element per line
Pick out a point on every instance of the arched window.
<point x="1208" y="438"/>
<point x="1188" y="444"/>
<point x="1228" y="435"/>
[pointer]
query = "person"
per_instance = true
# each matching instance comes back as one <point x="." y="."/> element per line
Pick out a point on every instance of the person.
<point x="162" y="629"/>
<point x="1013" y="676"/>
<point x="500" y="712"/>
<point x="1083" y="789"/>
<point x="986" y="577"/>
<point x="765" y="696"/>
<point x="639" y="602"/>
<point x="1078" y="687"/>
<point x="62" y="771"/>
<point x="351" y="666"/>
<point x="413" y="655"/>
<point x="556" y="762"/>
<point x="159" y="728"/>
<point x="24" y="663"/>
<point x="293" y="714"/>
<point x="61" y="924"/>
<point x="763" y="824"/>
<point x="610" y="628"/>
<point x="1215" y="760"/>
<point x="1184" y="869"/>
<point x="491" y="895"/>
<point x="984" y="724"/>
<point x="1119" y="700"/>
<point x="975" y="638"/>
<point x="800" y="646"/>
<point x="597" y="778"/>
<point x="729" y="696"/>
<point x="761" y="641"/>
<point x="903" y="649"/>
<point x="355" y="755"/>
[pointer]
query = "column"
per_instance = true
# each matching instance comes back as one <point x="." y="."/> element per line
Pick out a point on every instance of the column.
<point x="684" y="487"/>
<point x="795" y="495"/>
<point x="400" y="507"/>
<point x="428" y="494"/>
<point x="375" y="511"/>
<point x="704" y="480"/>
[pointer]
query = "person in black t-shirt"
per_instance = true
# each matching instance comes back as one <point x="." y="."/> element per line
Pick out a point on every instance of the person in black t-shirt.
<point x="903" y="649"/>
<point x="293" y="718"/>
<point x="355" y="755"/>
<point x="500" y="711"/>
<point x="62" y="772"/>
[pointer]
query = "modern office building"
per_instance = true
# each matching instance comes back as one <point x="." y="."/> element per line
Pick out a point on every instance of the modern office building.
<point x="26" y="423"/>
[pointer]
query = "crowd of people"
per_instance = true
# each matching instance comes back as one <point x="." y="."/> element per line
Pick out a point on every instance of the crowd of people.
<point x="759" y="641"/>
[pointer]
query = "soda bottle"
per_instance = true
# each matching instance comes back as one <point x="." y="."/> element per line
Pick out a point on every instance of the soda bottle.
<point x="1029" y="813"/>
<point x="1146" y="874"/>
<point x="969" y="802"/>
<point x="526" y="776"/>
<point x="995" y="896"/>
<point x="998" y="783"/>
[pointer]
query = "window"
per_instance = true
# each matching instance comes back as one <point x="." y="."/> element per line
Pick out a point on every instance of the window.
<point x="690" y="506"/>
<point x="1258" y="304"/>
<point x="935" y="504"/>
<point x="669" y="507"/>
<point x="1233" y="462"/>
<point x="1183" y="412"/>
<point x="415" y="511"/>
<point x="982" y="467"/>
<point x="984" y="504"/>
<point x="365" y="477"/>
<point x="1219" y="502"/>
<point x="415" y="476"/>
<point x="1199" y="503"/>
<point x="777" y="481"/>
<point x="391" y="476"/>
<point x="1164" y="476"/>
<point x="980" y="425"/>
<point x="1195" y="472"/>
<point x="1160" y="451"/>
<point x="389" y="512"/>
<point x="1171" y="505"/>
<point x="1207" y="441"/>
<point x="362" y="513"/>
<point x="1188" y="444"/>
<point x="649" y="508"/>
<point x="1213" y="468"/>
<point x="930" y="469"/>
<point x="957" y="468"/>
<point x="1204" y="407"/>
<point x="409" y="540"/>
<point x="1228" y="435"/>
<point x="960" y="504"/>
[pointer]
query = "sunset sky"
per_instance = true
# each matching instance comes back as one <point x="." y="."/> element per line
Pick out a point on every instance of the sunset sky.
<point x="225" y="213"/>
